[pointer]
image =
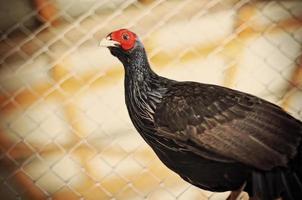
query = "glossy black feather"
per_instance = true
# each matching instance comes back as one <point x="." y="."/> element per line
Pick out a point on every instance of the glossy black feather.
<point x="215" y="138"/>
<point x="230" y="123"/>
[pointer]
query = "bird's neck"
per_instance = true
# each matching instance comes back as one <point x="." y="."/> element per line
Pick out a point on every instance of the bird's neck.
<point x="136" y="64"/>
<point x="143" y="88"/>
<point x="139" y="76"/>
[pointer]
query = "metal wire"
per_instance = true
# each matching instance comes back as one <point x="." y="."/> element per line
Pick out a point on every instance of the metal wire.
<point x="65" y="133"/>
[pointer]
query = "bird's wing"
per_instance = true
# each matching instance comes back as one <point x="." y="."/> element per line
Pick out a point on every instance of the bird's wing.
<point x="223" y="124"/>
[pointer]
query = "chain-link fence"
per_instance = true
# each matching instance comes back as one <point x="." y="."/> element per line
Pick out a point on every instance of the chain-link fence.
<point x="65" y="131"/>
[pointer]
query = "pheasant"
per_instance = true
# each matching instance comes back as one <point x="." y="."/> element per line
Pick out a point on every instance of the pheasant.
<point x="215" y="138"/>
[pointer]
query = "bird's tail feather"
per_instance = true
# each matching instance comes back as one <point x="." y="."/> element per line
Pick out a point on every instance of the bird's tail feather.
<point x="291" y="189"/>
<point x="274" y="184"/>
<point x="298" y="163"/>
<point x="279" y="182"/>
<point x="293" y="178"/>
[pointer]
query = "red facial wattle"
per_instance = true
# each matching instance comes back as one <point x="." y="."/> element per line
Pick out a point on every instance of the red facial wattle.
<point x="125" y="37"/>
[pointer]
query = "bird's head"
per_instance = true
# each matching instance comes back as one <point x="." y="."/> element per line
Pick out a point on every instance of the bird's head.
<point x="121" y="43"/>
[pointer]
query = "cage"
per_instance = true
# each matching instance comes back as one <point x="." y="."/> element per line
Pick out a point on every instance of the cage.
<point x="65" y="131"/>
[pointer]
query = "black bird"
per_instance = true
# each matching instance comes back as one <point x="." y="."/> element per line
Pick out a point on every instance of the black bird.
<point x="215" y="138"/>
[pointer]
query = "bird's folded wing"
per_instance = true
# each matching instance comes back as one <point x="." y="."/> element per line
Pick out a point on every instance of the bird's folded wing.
<point x="221" y="123"/>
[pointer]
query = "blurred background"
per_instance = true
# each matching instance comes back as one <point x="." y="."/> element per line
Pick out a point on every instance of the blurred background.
<point x="64" y="129"/>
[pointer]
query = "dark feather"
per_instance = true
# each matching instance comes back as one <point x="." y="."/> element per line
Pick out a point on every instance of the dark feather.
<point x="229" y="123"/>
<point x="216" y="138"/>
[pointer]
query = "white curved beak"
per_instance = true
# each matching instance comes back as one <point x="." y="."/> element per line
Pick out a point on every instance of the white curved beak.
<point x="107" y="42"/>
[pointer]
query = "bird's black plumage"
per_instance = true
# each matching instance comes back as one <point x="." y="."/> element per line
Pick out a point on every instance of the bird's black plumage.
<point x="215" y="138"/>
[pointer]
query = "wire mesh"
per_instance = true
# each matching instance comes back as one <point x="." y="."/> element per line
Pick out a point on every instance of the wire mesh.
<point x="65" y="132"/>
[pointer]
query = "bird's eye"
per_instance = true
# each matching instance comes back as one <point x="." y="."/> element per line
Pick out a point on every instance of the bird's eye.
<point x="125" y="36"/>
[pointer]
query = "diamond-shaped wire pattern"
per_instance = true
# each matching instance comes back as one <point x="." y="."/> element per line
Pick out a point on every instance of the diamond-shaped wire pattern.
<point x="65" y="131"/>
